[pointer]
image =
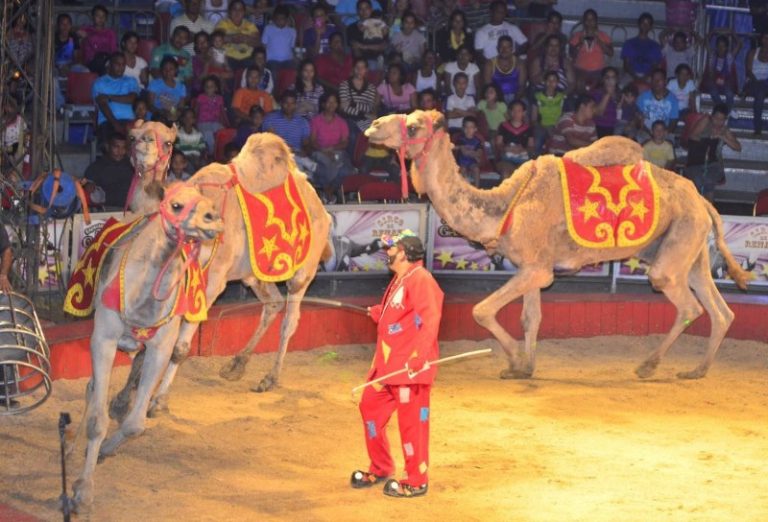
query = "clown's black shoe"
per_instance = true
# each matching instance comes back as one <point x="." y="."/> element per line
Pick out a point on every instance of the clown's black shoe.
<point x="394" y="488"/>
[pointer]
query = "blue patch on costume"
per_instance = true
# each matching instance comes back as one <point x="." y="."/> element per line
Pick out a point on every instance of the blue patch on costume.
<point x="417" y="321"/>
<point x="424" y="414"/>
<point x="394" y="328"/>
<point x="371" y="429"/>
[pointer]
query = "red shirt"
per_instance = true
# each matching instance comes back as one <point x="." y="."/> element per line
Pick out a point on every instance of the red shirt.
<point x="330" y="71"/>
<point x="408" y="321"/>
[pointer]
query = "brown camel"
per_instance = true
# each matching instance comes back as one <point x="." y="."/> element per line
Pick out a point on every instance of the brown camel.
<point x="264" y="162"/>
<point x="151" y="149"/>
<point x="151" y="262"/>
<point x="538" y="241"/>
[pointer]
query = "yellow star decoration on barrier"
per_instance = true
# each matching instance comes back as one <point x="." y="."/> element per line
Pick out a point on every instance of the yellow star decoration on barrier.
<point x="638" y="209"/>
<point x="379" y="265"/>
<point x="589" y="209"/>
<point x="474" y="266"/>
<point x="634" y="264"/>
<point x="269" y="246"/>
<point x="461" y="264"/>
<point x="445" y="257"/>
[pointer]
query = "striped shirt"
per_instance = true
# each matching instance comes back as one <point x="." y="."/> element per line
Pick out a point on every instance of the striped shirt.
<point x="567" y="126"/>
<point x="293" y="130"/>
<point x="358" y="105"/>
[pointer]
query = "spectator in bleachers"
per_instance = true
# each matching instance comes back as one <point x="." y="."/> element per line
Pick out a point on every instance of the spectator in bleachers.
<point x="201" y="46"/>
<point x="676" y="50"/>
<point x="396" y="10"/>
<point x="546" y="110"/>
<point x="658" y="150"/>
<point x="451" y="38"/>
<point x="140" y="111"/>
<point x="493" y="108"/>
<point x="135" y="66"/>
<point x="641" y="54"/>
<point x="335" y="66"/>
<point x="427" y="100"/>
<point x="514" y="140"/>
<point x="259" y="60"/>
<point x="279" y="39"/>
<point x="215" y="10"/>
<point x="684" y="89"/>
<point x="506" y="70"/>
<point x="193" y="20"/>
<point x="215" y="62"/>
<point x="329" y="139"/>
<point x="575" y="129"/>
<point x="553" y="58"/>
<point x="469" y="151"/>
<point x="395" y="93"/>
<point x="179" y="167"/>
<point x="463" y="64"/>
<point x="114" y="94"/>
<point x="97" y="41"/>
<point x="358" y="99"/>
<point x="211" y="115"/>
<point x="308" y="90"/>
<point x="460" y="104"/>
<point x="190" y="140"/>
<point x="174" y="50"/>
<point x="20" y="46"/>
<point x="317" y="38"/>
<point x="658" y="103"/>
<point x="349" y="10"/>
<point x="368" y="36"/>
<point x="629" y="120"/>
<point x="591" y="49"/>
<point x="704" y="164"/>
<point x="757" y="81"/>
<point x="167" y="94"/>
<point x="66" y="45"/>
<point x="113" y="171"/>
<point x="241" y="35"/>
<point x="409" y="42"/>
<point x="720" y="79"/>
<point x="247" y="97"/>
<point x="607" y="98"/>
<point x="12" y="135"/>
<point x="554" y="28"/>
<point x="426" y="75"/>
<point x="251" y="126"/>
<point x="487" y="37"/>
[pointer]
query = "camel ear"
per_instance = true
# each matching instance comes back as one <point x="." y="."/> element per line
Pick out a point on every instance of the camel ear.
<point x="174" y="132"/>
<point x="438" y="120"/>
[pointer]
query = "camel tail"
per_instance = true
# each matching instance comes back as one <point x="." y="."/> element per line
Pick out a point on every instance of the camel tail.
<point x="739" y="275"/>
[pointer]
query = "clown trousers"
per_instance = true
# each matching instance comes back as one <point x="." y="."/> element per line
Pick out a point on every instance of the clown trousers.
<point x="411" y="402"/>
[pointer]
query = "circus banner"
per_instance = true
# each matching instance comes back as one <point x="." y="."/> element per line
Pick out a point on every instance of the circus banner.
<point x="746" y="236"/>
<point x="355" y="232"/>
<point x="451" y="252"/>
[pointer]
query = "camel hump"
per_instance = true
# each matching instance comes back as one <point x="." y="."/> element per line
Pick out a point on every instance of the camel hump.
<point x="611" y="150"/>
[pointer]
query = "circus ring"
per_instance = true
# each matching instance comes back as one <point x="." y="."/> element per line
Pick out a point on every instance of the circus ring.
<point x="584" y="439"/>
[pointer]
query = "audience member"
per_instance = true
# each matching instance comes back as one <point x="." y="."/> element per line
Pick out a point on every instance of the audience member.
<point x="427" y="100"/>
<point x="190" y="140"/>
<point x="247" y="97"/>
<point x="720" y="79"/>
<point x="591" y="49"/>
<point x="215" y="10"/>
<point x="113" y="171"/>
<point x="367" y="37"/>
<point x="469" y="151"/>
<point x="676" y="51"/>
<point x="409" y="42"/>
<point x="684" y="89"/>
<point x="463" y="64"/>
<point x="704" y="164"/>
<point x="553" y="58"/>
<point x="574" y="129"/>
<point x="295" y="131"/>
<point x="396" y="12"/>
<point x="506" y="70"/>
<point x="241" y="35"/>
<point x="97" y="41"/>
<point x="114" y="94"/>
<point x="141" y="111"/>
<point x="460" y="104"/>
<point x="259" y="60"/>
<point x="514" y="140"/>
<point x="178" y="168"/>
<point x="607" y="98"/>
<point x="259" y="13"/>
<point x="20" y="47"/>
<point x="757" y="81"/>
<point x="250" y="126"/>
<point x="554" y="28"/>
<point x="487" y="37"/>
<point x="194" y="21"/>
<point x="335" y="66"/>
<point x="453" y="37"/>
<point x="308" y="90"/>
<point x="136" y="67"/>
<point x="547" y="110"/>
<point x="658" y="150"/>
<point x="317" y="38"/>
<point x="658" y="103"/>
<point x="349" y="10"/>
<point x="493" y="108"/>
<point x="66" y="45"/>
<point x="629" y="120"/>
<point x="174" y="50"/>
<point x="279" y="39"/>
<point x="329" y="139"/>
<point x="358" y="100"/>
<point x="12" y="137"/>
<point x="202" y="46"/>
<point x="395" y="93"/>
<point x="426" y="75"/>
<point x="641" y="54"/>
<point x="167" y="94"/>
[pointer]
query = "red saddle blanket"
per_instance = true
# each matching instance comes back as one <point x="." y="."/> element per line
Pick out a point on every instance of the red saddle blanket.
<point x="278" y="230"/>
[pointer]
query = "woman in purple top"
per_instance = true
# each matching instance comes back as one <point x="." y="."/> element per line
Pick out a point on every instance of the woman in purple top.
<point x="98" y="41"/>
<point x="607" y="97"/>
<point x="506" y="71"/>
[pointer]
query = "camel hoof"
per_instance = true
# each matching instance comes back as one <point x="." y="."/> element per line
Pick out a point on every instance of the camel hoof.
<point x="158" y="408"/>
<point x="646" y="369"/>
<point x="511" y="373"/>
<point x="693" y="374"/>
<point x="83" y="492"/>
<point x="267" y="383"/>
<point x="234" y="369"/>
<point x="119" y="407"/>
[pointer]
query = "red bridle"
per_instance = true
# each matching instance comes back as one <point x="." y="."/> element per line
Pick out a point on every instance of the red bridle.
<point x="161" y="159"/>
<point x="406" y="141"/>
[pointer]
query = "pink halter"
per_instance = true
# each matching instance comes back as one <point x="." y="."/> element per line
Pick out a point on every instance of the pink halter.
<point x="161" y="159"/>
<point x="418" y="158"/>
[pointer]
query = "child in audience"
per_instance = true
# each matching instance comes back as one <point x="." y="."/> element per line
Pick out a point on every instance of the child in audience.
<point x="279" y="40"/>
<point x="469" y="150"/>
<point x="629" y="120"/>
<point x="189" y="139"/>
<point x="546" y="111"/>
<point x="252" y="126"/>
<point x="210" y="110"/>
<point x="178" y="170"/>
<point x="409" y="42"/>
<point x="514" y="141"/>
<point x="676" y="52"/>
<point x="427" y="100"/>
<point x="684" y="89"/>
<point x="216" y="63"/>
<point x="493" y="108"/>
<point x="141" y="110"/>
<point x="460" y="104"/>
<point x="251" y="95"/>
<point x="658" y="150"/>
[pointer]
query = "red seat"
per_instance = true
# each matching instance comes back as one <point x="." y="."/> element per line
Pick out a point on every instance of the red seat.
<point x="146" y="46"/>
<point x="352" y="184"/>
<point x="79" y="86"/>
<point x="359" y="153"/>
<point x="286" y="78"/>
<point x="761" y="204"/>
<point x="222" y="138"/>
<point x="380" y="191"/>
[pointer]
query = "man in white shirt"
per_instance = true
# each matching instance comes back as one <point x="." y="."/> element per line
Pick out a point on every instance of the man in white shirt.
<point x="194" y="21"/>
<point x="487" y="37"/>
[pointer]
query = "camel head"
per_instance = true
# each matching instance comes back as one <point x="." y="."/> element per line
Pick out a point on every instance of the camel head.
<point x="187" y="214"/>
<point x="264" y="161"/>
<point x="151" y="148"/>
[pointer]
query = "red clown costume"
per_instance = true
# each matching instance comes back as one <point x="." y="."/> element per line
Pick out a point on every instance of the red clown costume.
<point x="408" y="320"/>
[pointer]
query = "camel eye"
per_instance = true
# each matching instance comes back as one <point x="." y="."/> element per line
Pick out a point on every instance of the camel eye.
<point x="412" y="130"/>
<point x="176" y="207"/>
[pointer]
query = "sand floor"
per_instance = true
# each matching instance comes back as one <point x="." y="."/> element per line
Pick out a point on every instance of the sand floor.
<point x="583" y="440"/>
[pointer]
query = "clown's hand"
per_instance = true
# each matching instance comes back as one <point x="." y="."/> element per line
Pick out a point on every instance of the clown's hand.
<point x="416" y="365"/>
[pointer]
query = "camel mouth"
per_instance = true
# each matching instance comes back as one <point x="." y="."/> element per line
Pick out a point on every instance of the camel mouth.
<point x="211" y="233"/>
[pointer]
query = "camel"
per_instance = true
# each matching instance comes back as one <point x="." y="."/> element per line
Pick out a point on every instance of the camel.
<point x="151" y="149"/>
<point x="263" y="163"/>
<point x="538" y="241"/>
<point x="151" y="261"/>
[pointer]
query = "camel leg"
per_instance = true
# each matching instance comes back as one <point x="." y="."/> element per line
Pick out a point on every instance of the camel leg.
<point x="531" y="319"/>
<point x="720" y="314"/>
<point x="158" y="354"/>
<point x="528" y="280"/>
<point x="121" y="403"/>
<point x="158" y="405"/>
<point x="97" y="418"/>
